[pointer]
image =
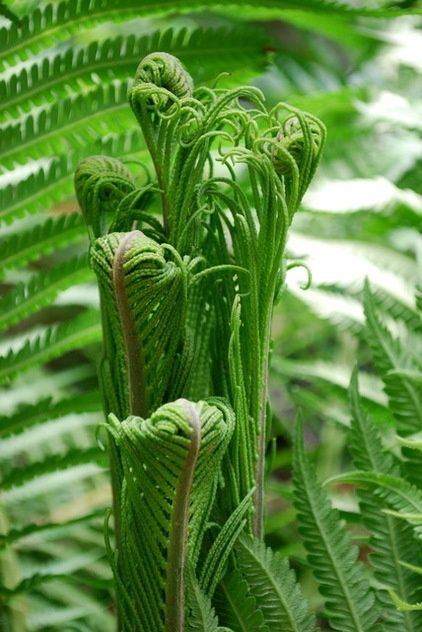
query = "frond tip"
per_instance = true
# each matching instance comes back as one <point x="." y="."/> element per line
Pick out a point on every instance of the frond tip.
<point x="171" y="465"/>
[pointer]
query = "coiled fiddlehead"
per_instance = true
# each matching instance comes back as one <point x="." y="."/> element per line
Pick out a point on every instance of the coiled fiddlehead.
<point x="101" y="183"/>
<point x="171" y="465"/>
<point x="164" y="71"/>
<point x="144" y="285"/>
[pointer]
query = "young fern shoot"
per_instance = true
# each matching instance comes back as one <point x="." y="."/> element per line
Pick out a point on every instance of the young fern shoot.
<point x="189" y="265"/>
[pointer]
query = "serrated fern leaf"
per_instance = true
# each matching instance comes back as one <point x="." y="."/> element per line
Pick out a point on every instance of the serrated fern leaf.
<point x="171" y="468"/>
<point x="21" y="475"/>
<point x="83" y="330"/>
<point x="240" y="48"/>
<point x="391" y="356"/>
<point x="237" y="606"/>
<point x="395" y="491"/>
<point x="216" y="559"/>
<point x="201" y="615"/>
<point x="273" y="584"/>
<point x="33" y="529"/>
<point x="46" y="409"/>
<point x="77" y="120"/>
<point x="41" y="289"/>
<point x="390" y="540"/>
<point x="349" y="600"/>
<point x="28" y="245"/>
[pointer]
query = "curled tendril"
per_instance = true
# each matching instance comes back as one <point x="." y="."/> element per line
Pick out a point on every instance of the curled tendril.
<point x="101" y="183"/>
<point x="295" y="138"/>
<point x="165" y="71"/>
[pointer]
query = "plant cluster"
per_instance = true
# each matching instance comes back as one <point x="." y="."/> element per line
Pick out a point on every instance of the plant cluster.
<point x="191" y="239"/>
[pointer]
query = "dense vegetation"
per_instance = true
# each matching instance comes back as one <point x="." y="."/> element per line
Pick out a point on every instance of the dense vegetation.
<point x="66" y="72"/>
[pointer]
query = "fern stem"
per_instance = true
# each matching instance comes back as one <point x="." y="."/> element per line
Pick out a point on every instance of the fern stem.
<point x="135" y="360"/>
<point x="177" y="551"/>
<point x="258" y="518"/>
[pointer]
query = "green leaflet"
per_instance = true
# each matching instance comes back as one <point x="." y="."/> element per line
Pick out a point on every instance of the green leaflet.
<point x="394" y="358"/>
<point x="171" y="464"/>
<point x="391" y="540"/>
<point x="274" y="586"/>
<point x="349" y="599"/>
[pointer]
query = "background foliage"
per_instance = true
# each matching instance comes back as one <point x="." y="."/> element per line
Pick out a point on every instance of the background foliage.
<point x="65" y="72"/>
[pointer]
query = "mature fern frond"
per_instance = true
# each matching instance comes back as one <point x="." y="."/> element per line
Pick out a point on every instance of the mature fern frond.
<point x="30" y="244"/>
<point x="55" y="23"/>
<point x="41" y="289"/>
<point x="52" y="463"/>
<point x="391" y="540"/>
<point x="242" y="50"/>
<point x="46" y="409"/>
<point x="76" y="121"/>
<point x="237" y="606"/>
<point x="53" y="342"/>
<point x="396" y="491"/>
<point x="390" y="357"/>
<point x="274" y="586"/>
<point x="350" y="602"/>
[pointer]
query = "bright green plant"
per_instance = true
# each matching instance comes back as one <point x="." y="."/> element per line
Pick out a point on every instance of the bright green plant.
<point x="63" y="96"/>
<point x="187" y="301"/>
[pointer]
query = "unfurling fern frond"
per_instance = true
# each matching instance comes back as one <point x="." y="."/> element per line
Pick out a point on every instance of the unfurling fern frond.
<point x="144" y="285"/>
<point x="349" y="599"/>
<point x="171" y="464"/>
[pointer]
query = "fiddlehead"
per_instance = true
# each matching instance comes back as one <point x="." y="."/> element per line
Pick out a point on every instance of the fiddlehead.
<point x="101" y="183"/>
<point x="144" y="285"/>
<point x="171" y="465"/>
<point x="164" y="71"/>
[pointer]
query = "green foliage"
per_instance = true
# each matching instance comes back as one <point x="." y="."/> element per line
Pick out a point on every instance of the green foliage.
<point x="66" y="68"/>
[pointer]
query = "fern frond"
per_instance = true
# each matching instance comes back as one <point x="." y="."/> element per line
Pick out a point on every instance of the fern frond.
<point x="53" y="342"/>
<point x="349" y="600"/>
<point x="32" y="243"/>
<point x="76" y="121"/>
<point x="46" y="409"/>
<point x="201" y="614"/>
<point x="237" y="606"/>
<point x="395" y="491"/>
<point x="241" y="50"/>
<point x="171" y="468"/>
<point x="391" y="541"/>
<point x="41" y="289"/>
<point x="391" y="355"/>
<point x="15" y="535"/>
<point x="19" y="476"/>
<point x="273" y="584"/>
<point x="402" y="606"/>
<point x="55" y="23"/>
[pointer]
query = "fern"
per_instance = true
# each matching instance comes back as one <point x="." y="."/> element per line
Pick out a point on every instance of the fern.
<point x="52" y="343"/>
<point x="274" y="586"/>
<point x="349" y="599"/>
<point x="61" y="73"/>
<point x="42" y="239"/>
<point x="179" y="450"/>
<point x="25" y="298"/>
<point x="390" y="540"/>
<point x="390" y="355"/>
